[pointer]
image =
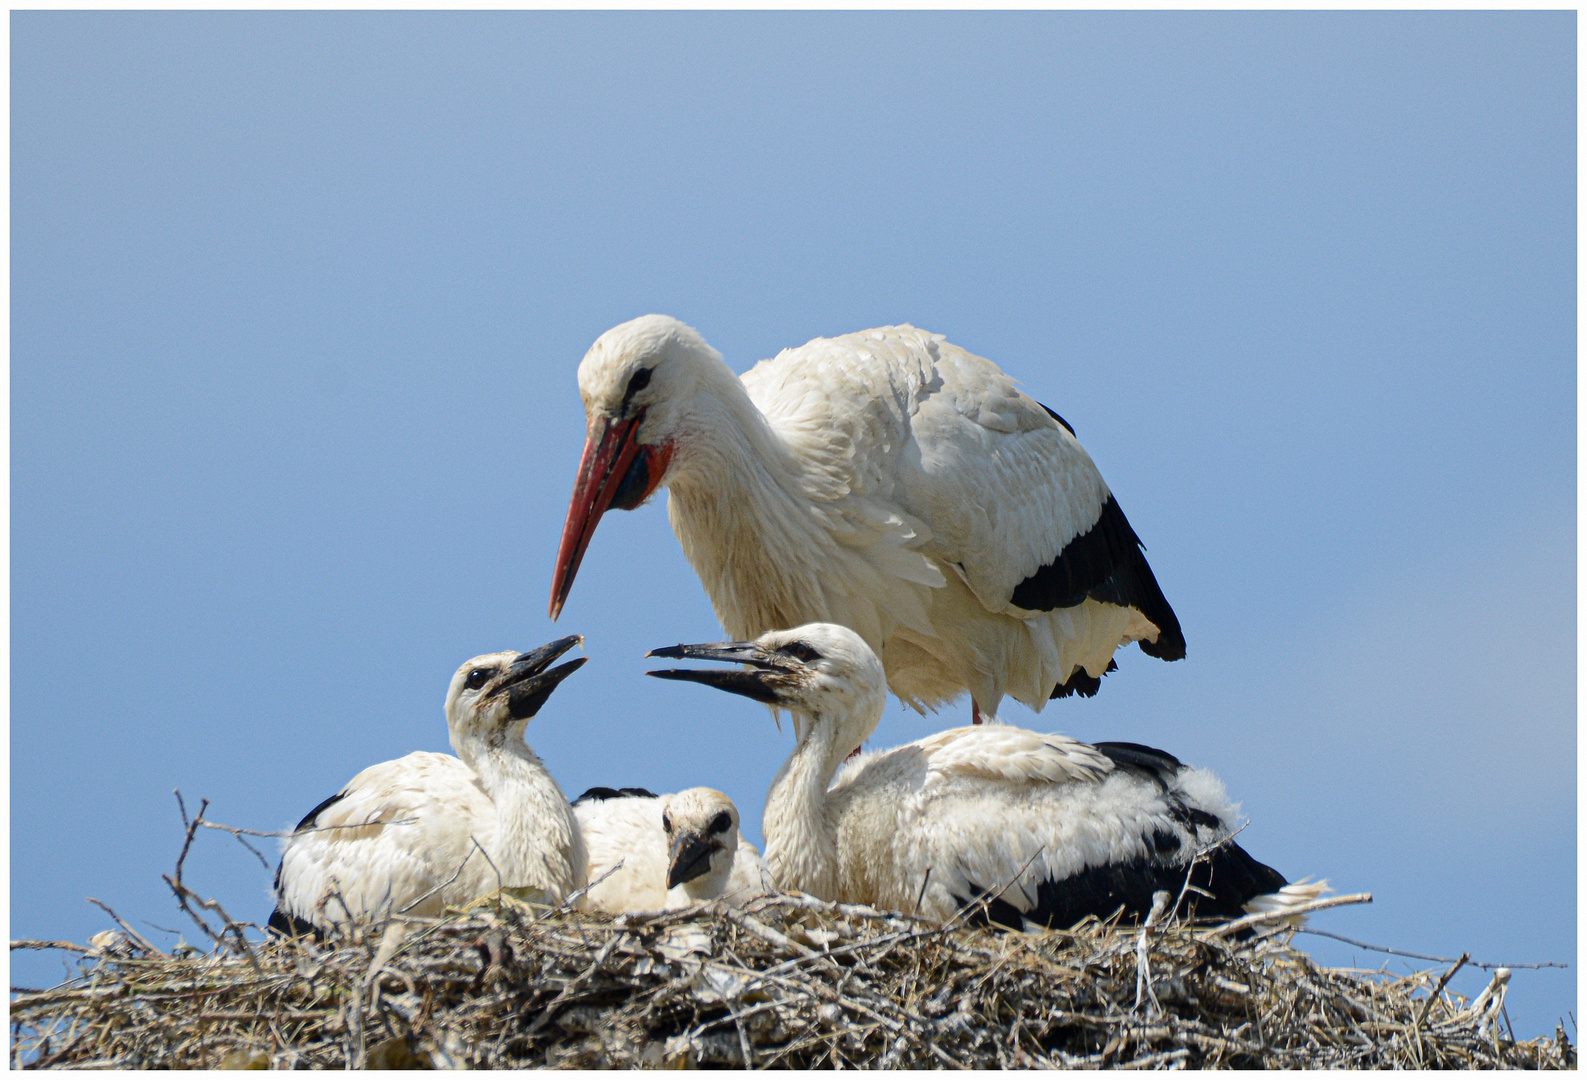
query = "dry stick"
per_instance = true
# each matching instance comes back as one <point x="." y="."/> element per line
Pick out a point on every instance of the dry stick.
<point x="287" y="834"/>
<point x="923" y="883"/>
<point x="567" y="904"/>
<point x="766" y="933"/>
<point x="1299" y="909"/>
<point x="1143" y="970"/>
<point x="1427" y="1006"/>
<point x="253" y="850"/>
<point x="1424" y="956"/>
<point x="64" y="946"/>
<point x="183" y="893"/>
<point x="139" y="938"/>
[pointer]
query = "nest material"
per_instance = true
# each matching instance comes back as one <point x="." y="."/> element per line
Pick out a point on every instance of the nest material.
<point x="788" y="981"/>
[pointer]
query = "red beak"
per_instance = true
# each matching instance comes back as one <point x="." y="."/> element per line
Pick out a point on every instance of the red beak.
<point x="613" y="461"/>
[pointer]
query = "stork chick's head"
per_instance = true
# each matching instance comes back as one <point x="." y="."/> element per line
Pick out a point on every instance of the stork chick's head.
<point x="640" y="383"/>
<point x="819" y="670"/>
<point x="493" y="697"/>
<point x="702" y="836"/>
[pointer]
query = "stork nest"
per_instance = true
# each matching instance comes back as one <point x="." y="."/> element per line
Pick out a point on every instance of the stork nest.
<point x="788" y="981"/>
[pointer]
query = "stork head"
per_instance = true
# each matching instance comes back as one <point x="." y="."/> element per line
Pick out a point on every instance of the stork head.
<point x="640" y="383"/>
<point x="816" y="671"/>
<point x="702" y="836"/>
<point x="493" y="697"/>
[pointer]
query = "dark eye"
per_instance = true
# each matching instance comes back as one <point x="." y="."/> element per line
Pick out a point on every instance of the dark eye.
<point x="636" y="383"/>
<point x="478" y="678"/>
<point x="666" y="822"/>
<point x="800" y="651"/>
<point x="721" y="822"/>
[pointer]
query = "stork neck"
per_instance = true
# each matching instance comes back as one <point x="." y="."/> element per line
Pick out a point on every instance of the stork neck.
<point x="799" y="846"/>
<point x="537" y="844"/>
<point x="739" y="507"/>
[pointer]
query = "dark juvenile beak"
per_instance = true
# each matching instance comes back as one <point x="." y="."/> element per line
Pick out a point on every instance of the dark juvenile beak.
<point x="765" y="684"/>
<point x="691" y="857"/>
<point x="615" y="470"/>
<point x="528" y="684"/>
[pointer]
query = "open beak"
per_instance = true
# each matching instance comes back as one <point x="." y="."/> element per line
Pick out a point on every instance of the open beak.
<point x="691" y="857"/>
<point x="614" y="471"/>
<point x="771" y="677"/>
<point x="528" y="684"/>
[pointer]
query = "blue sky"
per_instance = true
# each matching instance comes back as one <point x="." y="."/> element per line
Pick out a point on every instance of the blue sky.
<point x="298" y="301"/>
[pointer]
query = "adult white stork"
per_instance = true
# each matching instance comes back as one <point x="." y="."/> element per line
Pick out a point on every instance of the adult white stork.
<point x="428" y="830"/>
<point x="887" y="481"/>
<point x="648" y="851"/>
<point x="1050" y="829"/>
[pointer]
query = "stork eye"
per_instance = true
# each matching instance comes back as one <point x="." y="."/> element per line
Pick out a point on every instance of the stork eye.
<point x="721" y="822"/>
<point x="666" y="822"/>
<point x="637" y="382"/>
<point x="800" y="651"/>
<point x="478" y="678"/>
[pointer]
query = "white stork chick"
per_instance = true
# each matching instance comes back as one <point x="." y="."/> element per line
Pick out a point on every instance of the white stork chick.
<point x="1050" y="829"/>
<point x="674" y="850"/>
<point x="402" y="835"/>
<point x="887" y="481"/>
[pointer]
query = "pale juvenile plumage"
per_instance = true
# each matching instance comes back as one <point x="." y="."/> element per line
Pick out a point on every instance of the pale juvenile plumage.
<point x="674" y="850"/>
<point x="887" y="481"/>
<point x="401" y="835"/>
<point x="1070" y="829"/>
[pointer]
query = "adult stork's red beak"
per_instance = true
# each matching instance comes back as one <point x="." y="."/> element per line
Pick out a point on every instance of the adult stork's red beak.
<point x="616" y="470"/>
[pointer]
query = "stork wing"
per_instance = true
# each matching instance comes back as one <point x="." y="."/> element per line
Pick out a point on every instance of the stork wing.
<point x="935" y="449"/>
<point x="396" y="831"/>
<point x="996" y="752"/>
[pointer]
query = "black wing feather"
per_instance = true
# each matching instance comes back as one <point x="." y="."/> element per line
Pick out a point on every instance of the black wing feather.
<point x="600" y="793"/>
<point x="308" y="818"/>
<point x="1107" y="563"/>
<point x="1229" y="874"/>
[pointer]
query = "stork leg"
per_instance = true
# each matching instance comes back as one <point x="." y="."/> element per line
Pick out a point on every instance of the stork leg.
<point x="975" y="712"/>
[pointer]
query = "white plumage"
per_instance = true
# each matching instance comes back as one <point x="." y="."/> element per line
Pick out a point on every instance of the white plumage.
<point x="887" y="481"/>
<point x="648" y="852"/>
<point x="1054" y="829"/>
<point x="414" y="834"/>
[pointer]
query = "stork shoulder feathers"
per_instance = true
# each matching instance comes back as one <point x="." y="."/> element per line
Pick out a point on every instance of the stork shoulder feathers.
<point x="886" y="480"/>
<point x="414" y="834"/>
<point x="1046" y="828"/>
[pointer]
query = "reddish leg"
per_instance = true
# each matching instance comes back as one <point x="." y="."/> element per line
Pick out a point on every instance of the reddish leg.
<point x="975" y="712"/>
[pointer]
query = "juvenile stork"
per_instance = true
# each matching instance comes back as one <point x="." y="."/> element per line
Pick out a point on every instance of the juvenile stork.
<point x="648" y="852"/>
<point x="428" y="830"/>
<point x="1048" y="829"/>
<point x="884" y="480"/>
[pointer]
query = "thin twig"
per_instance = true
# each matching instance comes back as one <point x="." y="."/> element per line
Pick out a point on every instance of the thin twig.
<point x="1191" y="869"/>
<point x="568" y="902"/>
<point x="438" y="888"/>
<point x="1424" y="956"/>
<point x="287" y="834"/>
<point x="492" y="862"/>
<point x="985" y="900"/>
<point x="183" y="893"/>
<point x="139" y="938"/>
